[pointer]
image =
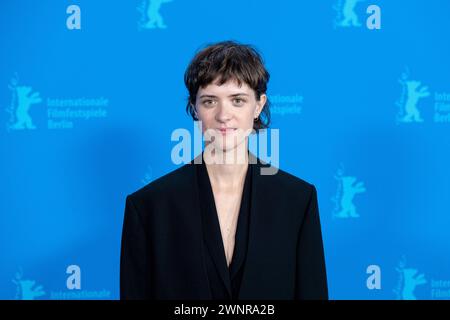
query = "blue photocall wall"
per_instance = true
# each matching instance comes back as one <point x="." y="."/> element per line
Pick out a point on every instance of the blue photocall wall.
<point x="91" y="91"/>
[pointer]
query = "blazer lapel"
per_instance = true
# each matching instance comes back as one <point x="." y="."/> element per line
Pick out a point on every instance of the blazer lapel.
<point x="253" y="270"/>
<point x="241" y="237"/>
<point x="211" y="227"/>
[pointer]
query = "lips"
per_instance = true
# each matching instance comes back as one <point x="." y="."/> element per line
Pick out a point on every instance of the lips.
<point x="225" y="130"/>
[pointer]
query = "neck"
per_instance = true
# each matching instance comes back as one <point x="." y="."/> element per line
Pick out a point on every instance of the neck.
<point x="229" y="171"/>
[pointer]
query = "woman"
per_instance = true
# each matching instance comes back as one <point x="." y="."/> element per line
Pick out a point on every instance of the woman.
<point x="219" y="227"/>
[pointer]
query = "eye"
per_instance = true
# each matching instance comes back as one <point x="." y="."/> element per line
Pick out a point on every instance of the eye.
<point x="239" y="101"/>
<point x="208" y="103"/>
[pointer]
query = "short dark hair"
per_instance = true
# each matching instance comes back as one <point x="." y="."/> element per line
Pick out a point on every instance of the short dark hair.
<point x="228" y="60"/>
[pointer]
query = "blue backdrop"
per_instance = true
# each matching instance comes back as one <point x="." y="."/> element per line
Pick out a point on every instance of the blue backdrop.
<point x="90" y="92"/>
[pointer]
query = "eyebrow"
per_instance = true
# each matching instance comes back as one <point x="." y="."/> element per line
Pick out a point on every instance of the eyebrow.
<point x="231" y="95"/>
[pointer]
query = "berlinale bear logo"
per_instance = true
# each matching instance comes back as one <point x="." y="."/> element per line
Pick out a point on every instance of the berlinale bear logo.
<point x="346" y="15"/>
<point x="151" y="17"/>
<point x="22" y="98"/>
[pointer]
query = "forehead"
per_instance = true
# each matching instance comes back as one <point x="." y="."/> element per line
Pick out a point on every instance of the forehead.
<point x="230" y="87"/>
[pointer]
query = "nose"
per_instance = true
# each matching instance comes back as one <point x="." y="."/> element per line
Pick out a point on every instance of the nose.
<point x="223" y="113"/>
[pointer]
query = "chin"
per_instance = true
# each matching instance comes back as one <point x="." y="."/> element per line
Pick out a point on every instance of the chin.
<point x="232" y="146"/>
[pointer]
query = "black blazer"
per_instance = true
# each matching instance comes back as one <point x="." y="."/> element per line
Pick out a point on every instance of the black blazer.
<point x="163" y="253"/>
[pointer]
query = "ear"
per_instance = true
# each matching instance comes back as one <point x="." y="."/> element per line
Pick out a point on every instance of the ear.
<point x="260" y="104"/>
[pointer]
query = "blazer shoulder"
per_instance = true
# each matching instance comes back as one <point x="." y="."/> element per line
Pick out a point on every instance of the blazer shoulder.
<point x="168" y="184"/>
<point x="288" y="182"/>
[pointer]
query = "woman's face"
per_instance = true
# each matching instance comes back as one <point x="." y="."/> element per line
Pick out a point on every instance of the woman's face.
<point x="227" y="113"/>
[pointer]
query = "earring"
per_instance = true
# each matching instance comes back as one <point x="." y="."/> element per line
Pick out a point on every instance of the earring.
<point x="256" y="119"/>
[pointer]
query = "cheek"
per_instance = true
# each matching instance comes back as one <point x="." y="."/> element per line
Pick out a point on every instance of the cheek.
<point x="246" y="119"/>
<point x="202" y="114"/>
<point x="207" y="119"/>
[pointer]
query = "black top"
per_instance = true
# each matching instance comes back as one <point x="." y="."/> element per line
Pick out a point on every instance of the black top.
<point x="215" y="254"/>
